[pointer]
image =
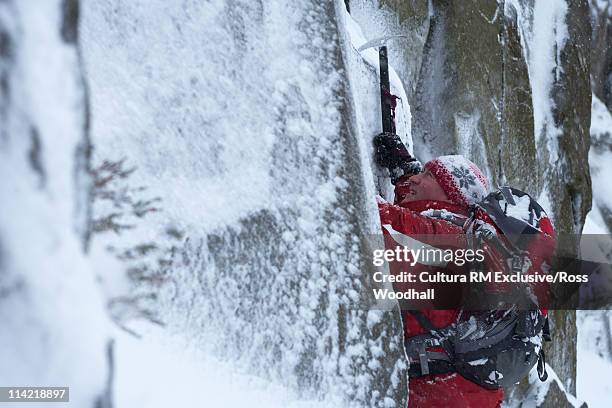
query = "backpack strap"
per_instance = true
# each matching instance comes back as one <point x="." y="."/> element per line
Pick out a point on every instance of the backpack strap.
<point x="423" y="320"/>
<point x="429" y="362"/>
<point x="434" y="367"/>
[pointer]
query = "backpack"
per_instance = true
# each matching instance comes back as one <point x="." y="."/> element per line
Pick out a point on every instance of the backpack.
<point x="494" y="348"/>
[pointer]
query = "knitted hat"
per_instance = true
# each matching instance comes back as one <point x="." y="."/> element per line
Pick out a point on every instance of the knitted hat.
<point x="461" y="180"/>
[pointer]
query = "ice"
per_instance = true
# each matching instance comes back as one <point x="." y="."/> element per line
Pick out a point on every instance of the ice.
<point x="544" y="33"/>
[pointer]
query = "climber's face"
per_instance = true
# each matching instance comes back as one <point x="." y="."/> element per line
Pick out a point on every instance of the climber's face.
<point x="422" y="186"/>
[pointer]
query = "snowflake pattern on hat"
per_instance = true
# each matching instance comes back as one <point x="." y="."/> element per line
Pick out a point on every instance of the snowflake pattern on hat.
<point x="461" y="180"/>
<point x="464" y="177"/>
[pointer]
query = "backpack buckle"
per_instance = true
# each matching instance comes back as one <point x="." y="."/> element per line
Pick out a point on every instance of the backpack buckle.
<point x="517" y="263"/>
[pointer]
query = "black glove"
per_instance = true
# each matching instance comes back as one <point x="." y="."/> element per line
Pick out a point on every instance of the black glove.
<point x="391" y="153"/>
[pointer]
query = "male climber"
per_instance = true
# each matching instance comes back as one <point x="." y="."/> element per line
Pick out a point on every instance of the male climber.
<point x="450" y="183"/>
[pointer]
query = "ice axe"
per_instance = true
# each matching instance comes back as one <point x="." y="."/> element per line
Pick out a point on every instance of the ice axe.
<point x="387" y="100"/>
<point x="390" y="151"/>
<point x="379" y="42"/>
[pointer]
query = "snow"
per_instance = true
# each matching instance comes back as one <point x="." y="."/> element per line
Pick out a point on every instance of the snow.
<point x="136" y="117"/>
<point x="253" y="123"/>
<point x="470" y="327"/>
<point x="600" y="163"/>
<point x="467" y="131"/>
<point x="544" y="36"/>
<point x="54" y="322"/>
<point x="537" y="389"/>
<point x="520" y="210"/>
<point x="594" y="384"/>
<point x="594" y="358"/>
<point x="443" y="214"/>
<point x="470" y="141"/>
<point x="594" y="222"/>
<point x="544" y="200"/>
<point x="594" y="368"/>
<point x="161" y="370"/>
<point x="478" y="362"/>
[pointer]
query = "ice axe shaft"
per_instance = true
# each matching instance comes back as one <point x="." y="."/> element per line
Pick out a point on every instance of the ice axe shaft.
<point x="388" y="124"/>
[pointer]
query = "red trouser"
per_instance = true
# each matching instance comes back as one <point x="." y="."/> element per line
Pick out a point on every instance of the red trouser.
<point x="450" y="390"/>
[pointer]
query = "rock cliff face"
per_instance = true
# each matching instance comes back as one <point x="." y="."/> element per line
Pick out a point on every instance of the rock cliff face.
<point x="254" y="148"/>
<point x="54" y="325"/>
<point x="601" y="51"/>
<point x="506" y="84"/>
<point x="474" y="96"/>
<point x="601" y="81"/>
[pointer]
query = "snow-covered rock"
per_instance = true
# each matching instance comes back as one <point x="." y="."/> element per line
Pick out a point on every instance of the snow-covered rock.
<point x="54" y="325"/>
<point x="242" y="117"/>
<point x="594" y="326"/>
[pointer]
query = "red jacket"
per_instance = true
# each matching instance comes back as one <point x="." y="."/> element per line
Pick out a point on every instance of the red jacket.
<point x="445" y="390"/>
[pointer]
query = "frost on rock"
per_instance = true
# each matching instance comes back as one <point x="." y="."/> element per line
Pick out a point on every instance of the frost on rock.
<point x="555" y="39"/>
<point x="599" y="220"/>
<point x="550" y="393"/>
<point x="594" y="357"/>
<point x="594" y="345"/>
<point x="241" y="116"/>
<point x="54" y="325"/>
